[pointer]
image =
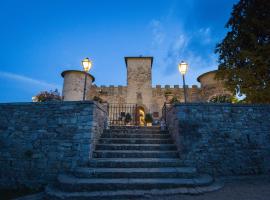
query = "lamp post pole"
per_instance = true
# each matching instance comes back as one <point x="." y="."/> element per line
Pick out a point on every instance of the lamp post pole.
<point x="87" y="64"/>
<point x="84" y="89"/>
<point x="185" y="91"/>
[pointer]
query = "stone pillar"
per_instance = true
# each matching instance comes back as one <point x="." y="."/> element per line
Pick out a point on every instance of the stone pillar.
<point x="73" y="86"/>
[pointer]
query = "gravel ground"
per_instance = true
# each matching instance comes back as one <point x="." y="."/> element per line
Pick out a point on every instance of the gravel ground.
<point x="243" y="188"/>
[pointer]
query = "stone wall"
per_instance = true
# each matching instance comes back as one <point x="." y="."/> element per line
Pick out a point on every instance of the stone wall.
<point x="118" y="95"/>
<point x="111" y="94"/>
<point x="222" y="139"/>
<point x="39" y="140"/>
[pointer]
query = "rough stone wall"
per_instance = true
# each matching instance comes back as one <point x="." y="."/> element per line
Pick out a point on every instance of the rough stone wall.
<point x="111" y="94"/>
<point x="222" y="139"/>
<point x="39" y="140"/>
<point x="159" y="95"/>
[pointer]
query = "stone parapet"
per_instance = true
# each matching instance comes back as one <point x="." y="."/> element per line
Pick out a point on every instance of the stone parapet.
<point x="40" y="140"/>
<point x="222" y="139"/>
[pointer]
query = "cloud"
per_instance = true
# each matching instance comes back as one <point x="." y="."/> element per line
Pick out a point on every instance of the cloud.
<point x="171" y="44"/>
<point x="205" y="35"/>
<point x="25" y="79"/>
<point x="157" y="31"/>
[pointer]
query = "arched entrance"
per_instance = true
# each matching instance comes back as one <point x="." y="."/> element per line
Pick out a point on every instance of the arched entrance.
<point x="141" y="116"/>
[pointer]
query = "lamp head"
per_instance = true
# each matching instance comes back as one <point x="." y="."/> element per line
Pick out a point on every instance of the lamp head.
<point x="87" y="64"/>
<point x="183" y="66"/>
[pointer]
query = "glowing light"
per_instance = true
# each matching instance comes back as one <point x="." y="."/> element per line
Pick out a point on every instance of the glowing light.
<point x="183" y="67"/>
<point x="87" y="64"/>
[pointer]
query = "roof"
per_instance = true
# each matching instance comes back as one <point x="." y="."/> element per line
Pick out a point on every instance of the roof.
<point x="204" y="74"/>
<point x="77" y="71"/>
<point x="136" y="57"/>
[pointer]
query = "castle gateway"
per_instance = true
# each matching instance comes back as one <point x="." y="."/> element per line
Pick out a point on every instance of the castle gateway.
<point x="138" y="95"/>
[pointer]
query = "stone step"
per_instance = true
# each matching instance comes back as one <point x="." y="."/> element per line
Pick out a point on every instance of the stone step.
<point x="147" y="128"/>
<point x="135" y="154"/>
<point x="143" y="147"/>
<point x="71" y="183"/>
<point x="136" y="131"/>
<point x="134" y="141"/>
<point x="56" y="194"/>
<point x="135" y="135"/>
<point x="168" y="172"/>
<point x="135" y="162"/>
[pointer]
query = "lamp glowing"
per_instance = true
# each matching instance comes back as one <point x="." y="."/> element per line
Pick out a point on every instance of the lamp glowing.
<point x="87" y="64"/>
<point x="183" y="67"/>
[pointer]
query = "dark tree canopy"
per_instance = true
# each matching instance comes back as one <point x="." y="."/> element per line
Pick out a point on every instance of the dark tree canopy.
<point x="244" y="54"/>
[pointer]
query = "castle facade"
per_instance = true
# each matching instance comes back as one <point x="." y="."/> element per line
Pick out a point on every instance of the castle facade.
<point x="139" y="88"/>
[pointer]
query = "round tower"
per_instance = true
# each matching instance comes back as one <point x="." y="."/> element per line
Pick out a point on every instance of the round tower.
<point x="211" y="87"/>
<point x="73" y="87"/>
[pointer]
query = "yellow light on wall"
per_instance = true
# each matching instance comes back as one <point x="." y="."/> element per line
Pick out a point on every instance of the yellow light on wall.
<point x="183" y="67"/>
<point x="87" y="64"/>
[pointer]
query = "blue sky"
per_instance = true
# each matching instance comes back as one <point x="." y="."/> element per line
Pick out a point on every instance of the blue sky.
<point x="41" y="38"/>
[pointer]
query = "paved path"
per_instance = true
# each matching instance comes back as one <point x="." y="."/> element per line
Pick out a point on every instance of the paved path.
<point x="255" y="188"/>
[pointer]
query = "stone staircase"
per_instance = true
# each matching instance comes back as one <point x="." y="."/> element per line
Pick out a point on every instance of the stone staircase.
<point x="131" y="162"/>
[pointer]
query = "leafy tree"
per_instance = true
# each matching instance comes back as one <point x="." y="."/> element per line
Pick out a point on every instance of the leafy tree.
<point x="47" y="96"/>
<point x="244" y="54"/>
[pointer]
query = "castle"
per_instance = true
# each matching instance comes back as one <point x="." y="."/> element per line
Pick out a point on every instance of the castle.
<point x="139" y="88"/>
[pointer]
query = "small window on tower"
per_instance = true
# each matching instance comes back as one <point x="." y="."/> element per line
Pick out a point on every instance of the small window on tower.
<point x="139" y="96"/>
<point x="155" y="114"/>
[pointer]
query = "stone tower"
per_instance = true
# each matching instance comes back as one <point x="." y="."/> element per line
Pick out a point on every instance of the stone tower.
<point x="73" y="86"/>
<point x="139" y="81"/>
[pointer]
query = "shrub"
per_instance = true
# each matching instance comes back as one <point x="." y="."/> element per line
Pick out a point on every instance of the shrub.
<point x="45" y="96"/>
<point x="128" y="118"/>
<point x="148" y="118"/>
<point x="174" y="100"/>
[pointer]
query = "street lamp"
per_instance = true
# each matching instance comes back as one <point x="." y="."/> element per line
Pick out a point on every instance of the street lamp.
<point x="87" y="64"/>
<point x="183" y="66"/>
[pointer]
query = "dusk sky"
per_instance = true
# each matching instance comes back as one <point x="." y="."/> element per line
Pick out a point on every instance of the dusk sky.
<point x="41" y="38"/>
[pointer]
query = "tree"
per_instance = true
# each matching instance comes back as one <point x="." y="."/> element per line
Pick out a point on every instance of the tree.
<point x="244" y="53"/>
<point x="47" y="96"/>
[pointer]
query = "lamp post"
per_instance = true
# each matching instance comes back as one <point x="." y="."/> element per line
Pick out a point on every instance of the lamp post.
<point x="183" y="66"/>
<point x="87" y="64"/>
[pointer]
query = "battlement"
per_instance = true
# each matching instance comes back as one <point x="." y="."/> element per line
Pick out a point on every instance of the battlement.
<point x="175" y="87"/>
<point x="111" y="90"/>
<point x="104" y="87"/>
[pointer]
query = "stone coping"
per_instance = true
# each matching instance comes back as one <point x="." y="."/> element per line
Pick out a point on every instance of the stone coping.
<point x="78" y="71"/>
<point x="222" y="104"/>
<point x="139" y="57"/>
<point x="206" y="73"/>
<point x="98" y="105"/>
